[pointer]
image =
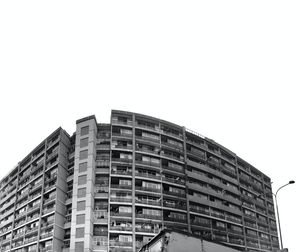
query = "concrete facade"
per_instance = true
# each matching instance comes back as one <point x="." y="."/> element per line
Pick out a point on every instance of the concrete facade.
<point x="113" y="187"/>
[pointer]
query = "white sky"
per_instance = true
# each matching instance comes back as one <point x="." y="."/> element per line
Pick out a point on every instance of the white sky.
<point x="226" y="69"/>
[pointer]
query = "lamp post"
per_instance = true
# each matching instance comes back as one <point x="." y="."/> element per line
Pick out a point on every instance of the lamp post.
<point x="275" y="195"/>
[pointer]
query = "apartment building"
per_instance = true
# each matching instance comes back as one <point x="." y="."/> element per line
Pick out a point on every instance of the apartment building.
<point x="112" y="187"/>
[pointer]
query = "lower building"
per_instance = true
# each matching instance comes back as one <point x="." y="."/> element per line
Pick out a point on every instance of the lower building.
<point x="113" y="187"/>
<point x="178" y="241"/>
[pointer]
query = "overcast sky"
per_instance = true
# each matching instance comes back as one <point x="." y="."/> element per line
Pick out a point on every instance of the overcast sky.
<point x="226" y="69"/>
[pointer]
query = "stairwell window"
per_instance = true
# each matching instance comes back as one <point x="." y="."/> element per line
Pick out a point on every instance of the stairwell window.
<point x="81" y="192"/>
<point x="82" y="180"/>
<point x="83" y="167"/>
<point x="83" y="154"/>
<point x="84" y="142"/>
<point x="84" y="130"/>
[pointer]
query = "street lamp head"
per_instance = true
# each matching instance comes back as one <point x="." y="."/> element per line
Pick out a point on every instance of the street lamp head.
<point x="292" y="182"/>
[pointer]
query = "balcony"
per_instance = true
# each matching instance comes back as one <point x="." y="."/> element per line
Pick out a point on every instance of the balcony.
<point x="147" y="163"/>
<point x="170" y="156"/>
<point x="46" y="249"/>
<point x="100" y="217"/>
<point x="102" y="170"/>
<point x="147" y="175"/>
<point x="121" y="199"/>
<point x="34" y="229"/>
<point x="99" y="243"/>
<point x="121" y="172"/>
<point x="103" y="146"/>
<point x="201" y="223"/>
<point x="148" y="202"/>
<point x="52" y="198"/>
<point x="32" y="217"/>
<point x="177" y="194"/>
<point x="31" y="239"/>
<point x="46" y="235"/>
<point x="120" y="214"/>
<point x="199" y="210"/>
<point x="175" y="206"/>
<point x="122" y="160"/>
<point x="101" y="163"/>
<point x="31" y="209"/>
<point x="173" y="219"/>
<point x="148" y="127"/>
<point x="36" y="186"/>
<point x="49" y="187"/>
<point x="115" y="121"/>
<point x="48" y="210"/>
<point x="120" y="228"/>
<point x="238" y="241"/>
<point x="118" y="186"/>
<point x="52" y="154"/>
<point x="148" y="216"/>
<point x="119" y="134"/>
<point x="147" y="189"/>
<point x="174" y="180"/>
<point x="174" y="168"/>
<point x="115" y="243"/>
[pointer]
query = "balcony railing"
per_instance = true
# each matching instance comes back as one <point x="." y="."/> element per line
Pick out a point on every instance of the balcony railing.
<point x="120" y="199"/>
<point x="31" y="239"/>
<point x="125" y="214"/>
<point x="147" y="175"/>
<point x="148" y="216"/>
<point x="118" y="186"/>
<point x="176" y="206"/>
<point x="120" y="228"/>
<point x="31" y="230"/>
<point x="173" y="219"/>
<point x="120" y="243"/>
<point x="148" y="189"/>
<point x="149" y="163"/>
<point x="182" y="195"/>
<point x="148" y="202"/>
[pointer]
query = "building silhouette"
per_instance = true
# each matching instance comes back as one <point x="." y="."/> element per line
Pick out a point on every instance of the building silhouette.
<point x="112" y="187"/>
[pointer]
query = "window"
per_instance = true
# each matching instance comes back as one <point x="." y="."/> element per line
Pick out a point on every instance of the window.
<point x="125" y="132"/>
<point x="82" y="180"/>
<point x="125" y="182"/>
<point x="220" y="224"/>
<point x="84" y="130"/>
<point x="80" y="205"/>
<point x="84" y="142"/>
<point x="83" y="154"/>
<point x="125" y="209"/>
<point x="83" y="167"/>
<point x="79" y="233"/>
<point x="125" y="238"/>
<point x="151" y="212"/>
<point x="79" y="247"/>
<point x="81" y="192"/>
<point x="80" y="219"/>
<point x="151" y="185"/>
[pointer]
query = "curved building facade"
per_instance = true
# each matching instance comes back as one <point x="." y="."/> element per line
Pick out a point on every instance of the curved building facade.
<point x="112" y="187"/>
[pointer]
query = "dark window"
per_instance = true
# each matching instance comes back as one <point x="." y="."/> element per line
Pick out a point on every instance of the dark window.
<point x="79" y="247"/>
<point x="83" y="167"/>
<point x="79" y="233"/>
<point x="83" y="154"/>
<point x="84" y="142"/>
<point x="82" y="180"/>
<point x="80" y="219"/>
<point x="81" y="192"/>
<point x="80" y="205"/>
<point x="84" y="130"/>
